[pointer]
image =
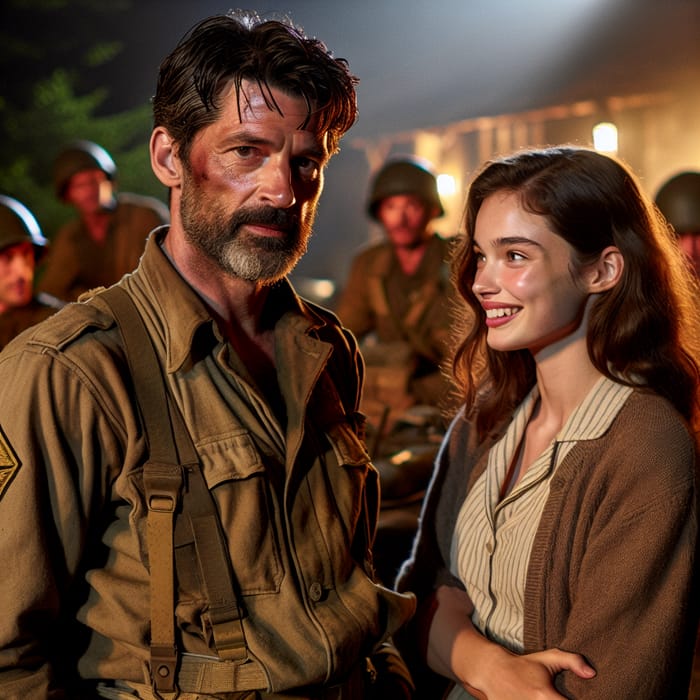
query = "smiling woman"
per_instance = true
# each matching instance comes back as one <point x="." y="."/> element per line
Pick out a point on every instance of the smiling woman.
<point x="530" y="285"/>
<point x="571" y="466"/>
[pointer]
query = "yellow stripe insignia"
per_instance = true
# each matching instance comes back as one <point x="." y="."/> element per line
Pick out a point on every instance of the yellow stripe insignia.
<point x="9" y="464"/>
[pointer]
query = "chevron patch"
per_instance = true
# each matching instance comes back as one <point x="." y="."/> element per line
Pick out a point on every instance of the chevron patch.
<point x="9" y="464"/>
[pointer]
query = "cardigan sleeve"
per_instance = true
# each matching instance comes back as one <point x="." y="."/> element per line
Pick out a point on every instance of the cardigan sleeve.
<point x="429" y="564"/>
<point x="620" y="586"/>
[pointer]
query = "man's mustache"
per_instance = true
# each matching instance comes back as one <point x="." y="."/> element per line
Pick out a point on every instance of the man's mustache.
<point x="266" y="216"/>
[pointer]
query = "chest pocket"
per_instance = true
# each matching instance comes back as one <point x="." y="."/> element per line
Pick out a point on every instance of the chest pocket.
<point x="354" y="476"/>
<point x="237" y="479"/>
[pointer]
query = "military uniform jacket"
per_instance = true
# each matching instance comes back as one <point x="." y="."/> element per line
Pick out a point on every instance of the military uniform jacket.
<point x="15" y="320"/>
<point x="297" y="501"/>
<point x="77" y="263"/>
<point x="380" y="298"/>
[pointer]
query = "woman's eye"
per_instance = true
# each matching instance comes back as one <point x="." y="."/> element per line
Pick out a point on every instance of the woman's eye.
<point x="515" y="255"/>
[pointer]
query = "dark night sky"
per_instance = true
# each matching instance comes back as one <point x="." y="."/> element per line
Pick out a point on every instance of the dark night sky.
<point x="425" y="64"/>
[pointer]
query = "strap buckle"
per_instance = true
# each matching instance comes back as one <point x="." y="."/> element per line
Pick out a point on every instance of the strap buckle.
<point x="163" y="667"/>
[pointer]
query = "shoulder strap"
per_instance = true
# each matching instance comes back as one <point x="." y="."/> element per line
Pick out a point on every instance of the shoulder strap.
<point x="173" y="465"/>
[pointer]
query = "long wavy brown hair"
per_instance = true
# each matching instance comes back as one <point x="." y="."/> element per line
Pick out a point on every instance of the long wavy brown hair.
<point x="644" y="332"/>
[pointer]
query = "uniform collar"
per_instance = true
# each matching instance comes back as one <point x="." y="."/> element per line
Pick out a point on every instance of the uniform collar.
<point x="185" y="321"/>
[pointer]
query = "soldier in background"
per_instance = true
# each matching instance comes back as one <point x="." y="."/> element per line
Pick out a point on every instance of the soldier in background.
<point x="397" y="299"/>
<point x="679" y="201"/>
<point x="21" y="246"/>
<point x="399" y="302"/>
<point x="107" y="238"/>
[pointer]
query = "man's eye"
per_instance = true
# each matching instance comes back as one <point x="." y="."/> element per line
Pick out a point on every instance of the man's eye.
<point x="307" y="167"/>
<point x="244" y="151"/>
<point x="515" y="255"/>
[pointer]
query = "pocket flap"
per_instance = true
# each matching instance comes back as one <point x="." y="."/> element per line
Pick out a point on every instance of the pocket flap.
<point x="348" y="448"/>
<point x="230" y="457"/>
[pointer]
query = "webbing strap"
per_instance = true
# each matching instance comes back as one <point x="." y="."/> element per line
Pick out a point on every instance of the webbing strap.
<point x="162" y="482"/>
<point x="163" y="475"/>
<point x="225" y="615"/>
<point x="214" y="676"/>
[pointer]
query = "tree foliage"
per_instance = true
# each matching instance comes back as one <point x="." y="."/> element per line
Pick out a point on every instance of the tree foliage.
<point x="53" y="92"/>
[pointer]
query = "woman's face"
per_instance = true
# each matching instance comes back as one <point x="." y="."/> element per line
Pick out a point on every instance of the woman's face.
<point x="524" y="277"/>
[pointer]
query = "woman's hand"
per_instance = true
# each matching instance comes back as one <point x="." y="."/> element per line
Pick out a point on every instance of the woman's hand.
<point x="508" y="676"/>
<point x="456" y="649"/>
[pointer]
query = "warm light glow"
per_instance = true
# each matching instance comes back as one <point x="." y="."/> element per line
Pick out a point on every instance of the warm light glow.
<point x="314" y="288"/>
<point x="323" y="289"/>
<point x="446" y="184"/>
<point x="605" y="137"/>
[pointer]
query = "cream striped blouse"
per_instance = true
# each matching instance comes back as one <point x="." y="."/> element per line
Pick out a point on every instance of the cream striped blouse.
<point x="491" y="545"/>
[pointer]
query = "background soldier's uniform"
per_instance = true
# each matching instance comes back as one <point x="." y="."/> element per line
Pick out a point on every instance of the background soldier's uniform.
<point x="77" y="263"/>
<point x="296" y="496"/>
<point x="15" y="320"/>
<point x="399" y="309"/>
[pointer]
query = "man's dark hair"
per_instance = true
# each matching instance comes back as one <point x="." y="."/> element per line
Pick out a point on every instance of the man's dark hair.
<point x="240" y="46"/>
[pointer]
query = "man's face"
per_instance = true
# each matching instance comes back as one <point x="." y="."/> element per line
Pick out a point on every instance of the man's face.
<point x="89" y="191"/>
<point x="16" y="275"/>
<point x="252" y="183"/>
<point x="405" y="219"/>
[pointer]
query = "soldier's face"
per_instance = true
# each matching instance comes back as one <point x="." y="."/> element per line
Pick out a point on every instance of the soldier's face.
<point x="405" y="219"/>
<point x="16" y="275"/>
<point x="252" y="183"/>
<point x="690" y="244"/>
<point x="89" y="191"/>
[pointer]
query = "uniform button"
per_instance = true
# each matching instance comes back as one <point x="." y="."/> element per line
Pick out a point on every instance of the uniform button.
<point x="315" y="591"/>
<point x="489" y="547"/>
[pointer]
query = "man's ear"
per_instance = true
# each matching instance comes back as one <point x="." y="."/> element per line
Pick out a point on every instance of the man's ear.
<point x="606" y="272"/>
<point x="164" y="159"/>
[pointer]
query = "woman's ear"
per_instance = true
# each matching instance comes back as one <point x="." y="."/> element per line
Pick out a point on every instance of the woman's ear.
<point x="164" y="159"/>
<point x="606" y="272"/>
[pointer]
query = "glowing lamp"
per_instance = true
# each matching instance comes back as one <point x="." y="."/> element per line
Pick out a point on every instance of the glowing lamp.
<point x="446" y="184"/>
<point x="605" y="137"/>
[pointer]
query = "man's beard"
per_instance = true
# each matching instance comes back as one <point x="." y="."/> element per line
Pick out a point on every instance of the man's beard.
<point x="254" y="258"/>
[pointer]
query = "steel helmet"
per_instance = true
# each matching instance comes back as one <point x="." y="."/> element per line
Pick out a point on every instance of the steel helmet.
<point x="679" y="201"/>
<point x="407" y="175"/>
<point x="18" y="225"/>
<point x="78" y="156"/>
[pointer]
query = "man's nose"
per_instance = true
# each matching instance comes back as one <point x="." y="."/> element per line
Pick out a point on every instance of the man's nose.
<point x="276" y="184"/>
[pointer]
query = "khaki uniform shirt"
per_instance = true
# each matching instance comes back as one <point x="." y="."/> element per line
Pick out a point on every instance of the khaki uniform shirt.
<point x="296" y="494"/>
<point x="381" y="300"/>
<point x="14" y="321"/>
<point x="77" y="263"/>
